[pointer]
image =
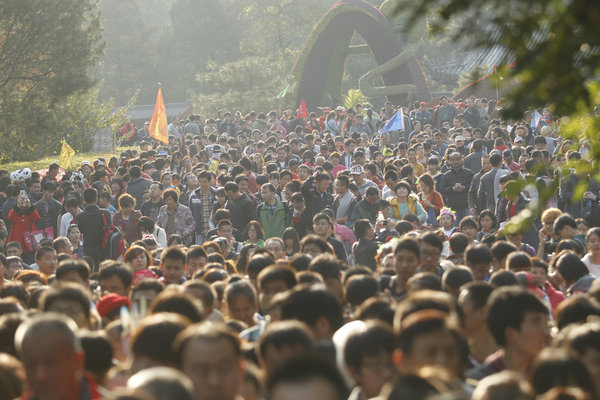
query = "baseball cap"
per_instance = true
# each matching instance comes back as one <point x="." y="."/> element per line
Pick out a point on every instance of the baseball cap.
<point x="461" y="104"/>
<point x="518" y="139"/>
<point x="216" y="149"/>
<point x="422" y="103"/>
<point x="162" y="153"/>
<point x="357" y="170"/>
<point x="460" y="137"/>
<point x="85" y="162"/>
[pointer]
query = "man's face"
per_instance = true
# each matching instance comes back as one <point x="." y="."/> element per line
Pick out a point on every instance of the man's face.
<point x="47" y="263"/>
<point x="374" y="372"/>
<point x="13" y="251"/>
<point x="405" y="264"/>
<point x="276" y="249"/>
<point x="226" y="231"/>
<point x="173" y="270"/>
<point x="486" y="165"/>
<point x="340" y="187"/>
<point x="532" y="336"/>
<point x="359" y="179"/>
<point x="72" y="309"/>
<point x="243" y="186"/>
<point x="412" y="156"/>
<point x="196" y="264"/>
<point x="170" y="202"/>
<point x="35" y="187"/>
<point x="269" y="289"/>
<point x="281" y="155"/>
<point x="213" y="367"/>
<point x="113" y="284"/>
<point x="372" y="198"/>
<point x="53" y="368"/>
<point x="242" y="308"/>
<point x="322" y="185"/>
<point x="321" y="227"/>
<point x="155" y="191"/>
<point x="166" y="180"/>
<point x="302" y="174"/>
<point x="455" y="161"/>
<point x="430" y="257"/>
<point x="436" y="348"/>
<point x="192" y="181"/>
<point x="267" y="195"/>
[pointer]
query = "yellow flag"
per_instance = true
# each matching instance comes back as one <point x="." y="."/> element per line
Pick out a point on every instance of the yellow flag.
<point x="66" y="155"/>
<point x="158" y="123"/>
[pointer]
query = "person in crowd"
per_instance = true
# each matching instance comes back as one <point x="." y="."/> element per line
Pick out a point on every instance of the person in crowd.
<point x="274" y="246"/>
<point x="175" y="218"/>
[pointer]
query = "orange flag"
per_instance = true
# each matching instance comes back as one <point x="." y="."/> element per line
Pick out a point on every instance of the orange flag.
<point x="302" y="110"/>
<point x="158" y="123"/>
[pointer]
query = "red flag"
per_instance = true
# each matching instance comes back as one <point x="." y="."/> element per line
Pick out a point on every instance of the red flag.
<point x="302" y="110"/>
<point x="158" y="124"/>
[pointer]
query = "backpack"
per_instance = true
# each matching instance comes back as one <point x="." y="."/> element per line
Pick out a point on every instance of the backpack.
<point x="112" y="240"/>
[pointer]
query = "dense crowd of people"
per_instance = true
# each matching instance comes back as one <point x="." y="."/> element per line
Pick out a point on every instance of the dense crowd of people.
<point x="281" y="257"/>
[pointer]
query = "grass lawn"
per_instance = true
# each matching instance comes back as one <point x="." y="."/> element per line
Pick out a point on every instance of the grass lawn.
<point x="77" y="159"/>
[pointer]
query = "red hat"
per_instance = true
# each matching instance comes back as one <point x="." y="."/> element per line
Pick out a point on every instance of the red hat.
<point x="111" y="302"/>
<point x="461" y="104"/>
<point x="143" y="274"/>
<point x="423" y="103"/>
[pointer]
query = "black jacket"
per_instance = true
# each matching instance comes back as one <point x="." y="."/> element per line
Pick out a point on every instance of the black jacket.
<point x="90" y="224"/>
<point x="242" y="211"/>
<point x="456" y="200"/>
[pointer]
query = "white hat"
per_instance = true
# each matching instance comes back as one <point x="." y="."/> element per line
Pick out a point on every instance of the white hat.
<point x="460" y="137"/>
<point x="357" y="170"/>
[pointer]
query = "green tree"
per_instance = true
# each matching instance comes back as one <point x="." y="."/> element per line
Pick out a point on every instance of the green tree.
<point x="200" y="32"/>
<point x="130" y="60"/>
<point x="46" y="50"/>
<point x="551" y="57"/>
<point x="250" y="83"/>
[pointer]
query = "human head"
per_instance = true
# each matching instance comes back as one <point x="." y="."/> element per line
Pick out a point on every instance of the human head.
<point x="51" y="336"/>
<point x="172" y="264"/>
<point x="210" y="355"/>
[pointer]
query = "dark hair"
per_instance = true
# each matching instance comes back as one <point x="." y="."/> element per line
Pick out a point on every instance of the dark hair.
<point x="359" y="288"/>
<point x="361" y="227"/>
<point x="562" y="221"/>
<point x="153" y="332"/>
<point x="205" y="331"/>
<point x="504" y="277"/>
<point x="575" y="310"/>
<point x="458" y="242"/>
<point x="408" y="244"/>
<point x="123" y="273"/>
<point x="67" y="291"/>
<point x="277" y="272"/>
<point x="173" y="300"/>
<point x="172" y="193"/>
<point x="285" y="333"/>
<point x="259" y="230"/>
<point x="374" y="338"/>
<point x="303" y="368"/>
<point x="477" y="292"/>
<point x="80" y="266"/>
<point x="570" y="267"/>
<point x="454" y="278"/>
<point x="432" y="239"/>
<point x="501" y="249"/>
<point x="507" y="308"/>
<point x="326" y="265"/>
<point x="308" y="304"/>
<point x="173" y="253"/>
<point x="557" y="368"/>
<point x="478" y="254"/>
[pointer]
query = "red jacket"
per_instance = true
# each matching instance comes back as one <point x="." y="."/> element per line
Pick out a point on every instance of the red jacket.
<point x="21" y="221"/>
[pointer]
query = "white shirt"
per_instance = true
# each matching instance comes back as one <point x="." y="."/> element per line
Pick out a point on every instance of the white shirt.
<point x="594" y="268"/>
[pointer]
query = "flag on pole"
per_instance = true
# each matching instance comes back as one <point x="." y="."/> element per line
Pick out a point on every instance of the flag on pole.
<point x="394" y="124"/>
<point x="302" y="110"/>
<point x="283" y="92"/>
<point x="158" y="124"/>
<point x="535" y="120"/>
<point x="66" y="155"/>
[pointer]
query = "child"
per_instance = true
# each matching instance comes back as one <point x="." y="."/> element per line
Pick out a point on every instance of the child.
<point x="447" y="218"/>
<point x="365" y="249"/>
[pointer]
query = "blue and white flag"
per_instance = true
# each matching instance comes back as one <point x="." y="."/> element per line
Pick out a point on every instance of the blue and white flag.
<point x="394" y="124"/>
<point x="535" y="120"/>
